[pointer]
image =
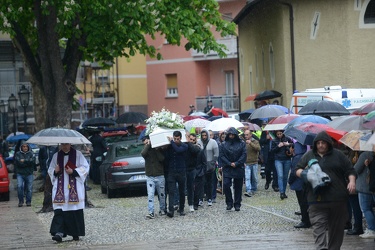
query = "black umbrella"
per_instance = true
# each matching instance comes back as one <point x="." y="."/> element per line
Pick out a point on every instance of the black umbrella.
<point x="98" y="121"/>
<point x="324" y="108"/>
<point x="132" y="117"/>
<point x="267" y="94"/>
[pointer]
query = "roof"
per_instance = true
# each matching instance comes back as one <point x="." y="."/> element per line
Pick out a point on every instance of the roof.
<point x="250" y="5"/>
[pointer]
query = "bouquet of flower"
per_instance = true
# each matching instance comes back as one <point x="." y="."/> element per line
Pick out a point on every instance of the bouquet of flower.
<point x="164" y="119"/>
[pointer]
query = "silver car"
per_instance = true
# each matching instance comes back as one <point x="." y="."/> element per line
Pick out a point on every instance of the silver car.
<point x="123" y="168"/>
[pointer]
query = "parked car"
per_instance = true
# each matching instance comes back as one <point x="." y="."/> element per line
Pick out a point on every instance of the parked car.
<point x="123" y="168"/>
<point x="4" y="180"/>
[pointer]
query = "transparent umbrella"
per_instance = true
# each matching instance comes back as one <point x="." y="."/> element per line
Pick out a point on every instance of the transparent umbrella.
<point x="56" y="135"/>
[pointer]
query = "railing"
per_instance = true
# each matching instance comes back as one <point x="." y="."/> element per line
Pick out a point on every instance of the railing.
<point x="226" y="102"/>
<point x="230" y="43"/>
<point x="6" y="89"/>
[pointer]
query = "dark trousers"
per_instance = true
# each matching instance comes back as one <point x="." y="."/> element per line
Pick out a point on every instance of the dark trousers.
<point x="355" y="210"/>
<point x="208" y="183"/>
<point x="180" y="179"/>
<point x="190" y="177"/>
<point x="331" y="217"/>
<point x="302" y="202"/>
<point x="237" y="188"/>
<point x="271" y="173"/>
<point x="198" y="189"/>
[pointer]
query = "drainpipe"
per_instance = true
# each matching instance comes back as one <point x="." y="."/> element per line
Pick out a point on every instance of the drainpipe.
<point x="291" y="20"/>
<point x="117" y="89"/>
<point x="238" y="76"/>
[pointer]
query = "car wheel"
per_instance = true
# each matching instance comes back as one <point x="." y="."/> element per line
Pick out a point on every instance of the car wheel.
<point x="111" y="193"/>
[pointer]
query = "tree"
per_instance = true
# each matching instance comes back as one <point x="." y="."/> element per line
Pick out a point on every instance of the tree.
<point x="96" y="30"/>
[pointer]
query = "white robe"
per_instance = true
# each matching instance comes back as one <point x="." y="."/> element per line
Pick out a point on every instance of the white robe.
<point x="82" y="170"/>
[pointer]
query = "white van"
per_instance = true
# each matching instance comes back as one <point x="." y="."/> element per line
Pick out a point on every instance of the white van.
<point x="351" y="99"/>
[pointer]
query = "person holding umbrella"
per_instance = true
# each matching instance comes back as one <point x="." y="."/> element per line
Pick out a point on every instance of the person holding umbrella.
<point x="68" y="171"/>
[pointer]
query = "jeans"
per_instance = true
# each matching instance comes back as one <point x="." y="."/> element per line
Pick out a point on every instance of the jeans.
<point x="158" y="183"/>
<point x="251" y="177"/>
<point x="366" y="201"/>
<point x="25" y="182"/>
<point x="282" y="168"/>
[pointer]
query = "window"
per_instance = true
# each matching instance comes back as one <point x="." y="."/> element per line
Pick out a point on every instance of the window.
<point x="229" y="82"/>
<point x="172" y="85"/>
<point x="272" y="66"/>
<point x="370" y="12"/>
<point x="367" y="15"/>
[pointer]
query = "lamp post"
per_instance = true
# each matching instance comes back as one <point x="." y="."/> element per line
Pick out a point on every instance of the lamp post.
<point x="12" y="104"/>
<point x="24" y="95"/>
<point x="2" y="110"/>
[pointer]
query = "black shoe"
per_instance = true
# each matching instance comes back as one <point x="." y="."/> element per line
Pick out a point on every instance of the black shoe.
<point x="302" y="225"/>
<point x="20" y="204"/>
<point x="355" y="231"/>
<point x="267" y="186"/>
<point x="170" y="214"/>
<point x="237" y="209"/>
<point x="229" y="207"/>
<point x="28" y="204"/>
<point x="57" y="238"/>
<point x="195" y="208"/>
<point x="76" y="238"/>
<point x="297" y="213"/>
<point x="88" y="188"/>
<point x="182" y="213"/>
<point x="276" y="189"/>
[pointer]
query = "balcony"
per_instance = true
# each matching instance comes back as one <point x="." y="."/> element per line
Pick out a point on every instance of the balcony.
<point x="231" y="51"/>
<point x="225" y="102"/>
<point x="172" y="93"/>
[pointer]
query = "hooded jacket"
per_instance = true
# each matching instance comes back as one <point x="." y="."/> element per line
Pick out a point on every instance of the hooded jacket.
<point x="212" y="149"/>
<point x="154" y="158"/>
<point x="233" y="150"/>
<point x="336" y="165"/>
<point x="25" y="161"/>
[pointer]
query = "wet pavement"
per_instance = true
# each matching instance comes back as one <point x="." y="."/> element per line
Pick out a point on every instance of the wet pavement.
<point x="22" y="229"/>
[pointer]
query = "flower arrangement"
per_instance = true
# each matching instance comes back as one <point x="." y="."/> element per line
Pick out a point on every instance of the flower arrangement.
<point x="165" y="119"/>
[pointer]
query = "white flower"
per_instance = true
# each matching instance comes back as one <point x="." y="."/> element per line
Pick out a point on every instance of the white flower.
<point x="164" y="118"/>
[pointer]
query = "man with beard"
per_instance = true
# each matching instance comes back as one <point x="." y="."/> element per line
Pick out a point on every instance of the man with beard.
<point x="233" y="157"/>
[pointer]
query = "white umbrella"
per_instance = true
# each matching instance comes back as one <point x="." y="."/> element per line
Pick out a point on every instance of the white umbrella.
<point x="224" y="123"/>
<point x="55" y="136"/>
<point x="196" y="123"/>
<point x="198" y="113"/>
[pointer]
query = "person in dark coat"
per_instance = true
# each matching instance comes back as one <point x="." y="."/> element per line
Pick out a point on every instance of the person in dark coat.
<point x="281" y="148"/>
<point x="328" y="206"/>
<point x="97" y="155"/>
<point x="191" y="160"/>
<point x="268" y="158"/>
<point x="233" y="157"/>
<point x="25" y="161"/>
<point x="298" y="185"/>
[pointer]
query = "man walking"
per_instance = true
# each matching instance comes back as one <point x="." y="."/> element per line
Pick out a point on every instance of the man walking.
<point x="176" y="157"/>
<point x="328" y="205"/>
<point x="251" y="169"/>
<point x="154" y="158"/>
<point x="233" y="157"/>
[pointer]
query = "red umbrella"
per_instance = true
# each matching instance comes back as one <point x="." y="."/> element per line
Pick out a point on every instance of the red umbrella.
<point x="335" y="133"/>
<point x="252" y="126"/>
<point x="280" y="122"/>
<point x="305" y="133"/>
<point x="250" y="98"/>
<point x="219" y="112"/>
<point x="365" y="109"/>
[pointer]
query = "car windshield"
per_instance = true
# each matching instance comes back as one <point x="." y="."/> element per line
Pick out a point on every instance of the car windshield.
<point x="129" y="149"/>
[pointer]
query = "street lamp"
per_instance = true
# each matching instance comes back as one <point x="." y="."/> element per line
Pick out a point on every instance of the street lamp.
<point x="2" y="110"/>
<point x="12" y="104"/>
<point x="24" y="95"/>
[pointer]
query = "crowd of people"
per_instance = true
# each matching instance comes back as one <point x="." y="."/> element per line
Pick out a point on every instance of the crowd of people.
<point x="192" y="167"/>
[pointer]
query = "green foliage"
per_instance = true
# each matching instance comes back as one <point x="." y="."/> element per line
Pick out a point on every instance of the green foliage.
<point x="112" y="28"/>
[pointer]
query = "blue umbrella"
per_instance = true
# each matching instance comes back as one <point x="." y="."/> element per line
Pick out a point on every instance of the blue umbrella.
<point x="307" y="118"/>
<point x="16" y="138"/>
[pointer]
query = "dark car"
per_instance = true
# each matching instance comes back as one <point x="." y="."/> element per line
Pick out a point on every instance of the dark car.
<point x="123" y="168"/>
<point x="4" y="180"/>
